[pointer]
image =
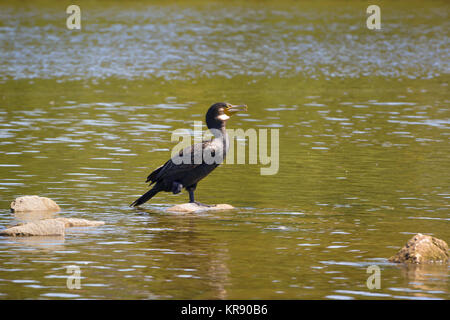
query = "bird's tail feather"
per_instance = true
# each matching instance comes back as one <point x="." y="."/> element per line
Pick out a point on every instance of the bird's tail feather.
<point x="145" y="197"/>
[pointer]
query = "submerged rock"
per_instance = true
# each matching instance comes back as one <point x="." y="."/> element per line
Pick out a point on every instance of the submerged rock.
<point x="48" y="227"/>
<point x="193" y="207"/>
<point x="34" y="203"/>
<point x="75" y="222"/>
<point x="422" y="249"/>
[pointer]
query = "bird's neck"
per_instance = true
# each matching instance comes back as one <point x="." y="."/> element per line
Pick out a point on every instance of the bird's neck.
<point x="219" y="132"/>
<point x="221" y="136"/>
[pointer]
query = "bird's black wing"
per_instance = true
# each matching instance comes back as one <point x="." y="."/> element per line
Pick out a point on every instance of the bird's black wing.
<point x="172" y="170"/>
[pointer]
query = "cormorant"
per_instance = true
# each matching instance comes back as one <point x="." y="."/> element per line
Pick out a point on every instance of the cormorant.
<point x="195" y="162"/>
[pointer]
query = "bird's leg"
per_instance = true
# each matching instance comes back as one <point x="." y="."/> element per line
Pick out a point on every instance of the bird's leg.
<point x="191" y="197"/>
<point x="191" y="190"/>
<point x="176" y="187"/>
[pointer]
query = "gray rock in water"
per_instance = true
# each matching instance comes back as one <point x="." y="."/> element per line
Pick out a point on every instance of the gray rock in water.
<point x="422" y="249"/>
<point x="193" y="207"/>
<point x="48" y="227"/>
<point x="34" y="203"/>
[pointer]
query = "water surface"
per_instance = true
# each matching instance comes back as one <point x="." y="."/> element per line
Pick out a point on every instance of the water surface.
<point x="364" y="153"/>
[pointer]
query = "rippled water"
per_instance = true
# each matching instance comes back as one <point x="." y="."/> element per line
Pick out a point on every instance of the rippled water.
<point x="187" y="40"/>
<point x="364" y="153"/>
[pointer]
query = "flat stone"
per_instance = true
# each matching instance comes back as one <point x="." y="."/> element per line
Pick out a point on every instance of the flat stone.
<point x="31" y="216"/>
<point x="34" y="203"/>
<point x="193" y="207"/>
<point x="422" y="249"/>
<point x="48" y="227"/>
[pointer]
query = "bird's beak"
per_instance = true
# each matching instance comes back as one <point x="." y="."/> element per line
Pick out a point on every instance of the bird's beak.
<point x="231" y="109"/>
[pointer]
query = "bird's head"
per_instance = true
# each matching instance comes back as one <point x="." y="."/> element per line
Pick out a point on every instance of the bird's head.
<point x="220" y="112"/>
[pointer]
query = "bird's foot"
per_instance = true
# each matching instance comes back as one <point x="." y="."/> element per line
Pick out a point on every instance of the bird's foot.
<point x="202" y="204"/>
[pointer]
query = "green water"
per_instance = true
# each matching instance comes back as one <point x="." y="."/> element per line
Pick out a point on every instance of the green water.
<point x="363" y="122"/>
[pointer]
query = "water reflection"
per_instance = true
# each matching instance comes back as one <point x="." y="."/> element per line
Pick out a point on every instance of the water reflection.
<point x="45" y="244"/>
<point x="425" y="280"/>
<point x="193" y="254"/>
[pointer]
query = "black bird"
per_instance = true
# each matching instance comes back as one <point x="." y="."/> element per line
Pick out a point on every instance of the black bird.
<point x="195" y="162"/>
